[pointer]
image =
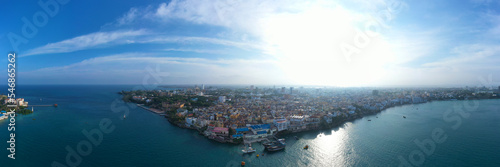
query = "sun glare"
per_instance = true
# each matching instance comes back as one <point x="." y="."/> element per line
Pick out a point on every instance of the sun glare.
<point x="307" y="47"/>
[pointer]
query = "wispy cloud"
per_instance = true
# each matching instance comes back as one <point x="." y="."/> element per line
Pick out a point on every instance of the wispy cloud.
<point x="217" y="41"/>
<point x="208" y="51"/>
<point x="107" y="39"/>
<point x="248" y="19"/>
<point x="180" y="70"/>
<point x="87" y="41"/>
<point x="470" y="57"/>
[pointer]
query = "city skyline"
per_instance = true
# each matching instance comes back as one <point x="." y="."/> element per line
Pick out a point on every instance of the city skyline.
<point x="330" y="43"/>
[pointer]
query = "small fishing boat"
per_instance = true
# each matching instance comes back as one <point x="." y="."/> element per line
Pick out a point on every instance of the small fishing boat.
<point x="306" y="147"/>
<point x="297" y="138"/>
<point x="404" y="117"/>
<point x="369" y="120"/>
<point x="124" y="116"/>
<point x="242" y="163"/>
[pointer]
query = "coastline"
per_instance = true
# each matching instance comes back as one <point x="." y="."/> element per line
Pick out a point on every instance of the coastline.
<point x="286" y="132"/>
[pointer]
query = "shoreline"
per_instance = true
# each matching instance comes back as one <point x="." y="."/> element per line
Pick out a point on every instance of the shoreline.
<point x="286" y="132"/>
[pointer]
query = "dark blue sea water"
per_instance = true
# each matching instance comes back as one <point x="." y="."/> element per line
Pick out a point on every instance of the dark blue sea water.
<point x="147" y="139"/>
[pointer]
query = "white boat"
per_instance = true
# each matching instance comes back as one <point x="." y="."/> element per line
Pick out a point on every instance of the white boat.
<point x="248" y="150"/>
<point x="124" y="116"/>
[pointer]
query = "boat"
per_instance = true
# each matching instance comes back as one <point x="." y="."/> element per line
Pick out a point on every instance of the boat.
<point x="369" y="120"/>
<point x="257" y="155"/>
<point x="55" y="105"/>
<point x="404" y="116"/>
<point x="267" y="144"/>
<point x="297" y="138"/>
<point x="242" y="163"/>
<point x="124" y="116"/>
<point x="276" y="146"/>
<point x="248" y="150"/>
<point x="306" y="147"/>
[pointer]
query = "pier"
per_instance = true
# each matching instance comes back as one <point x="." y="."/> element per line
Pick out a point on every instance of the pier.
<point x="43" y="105"/>
<point x="255" y="140"/>
<point x="152" y="110"/>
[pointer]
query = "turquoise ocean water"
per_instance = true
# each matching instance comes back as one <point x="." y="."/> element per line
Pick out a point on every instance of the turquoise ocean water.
<point x="147" y="139"/>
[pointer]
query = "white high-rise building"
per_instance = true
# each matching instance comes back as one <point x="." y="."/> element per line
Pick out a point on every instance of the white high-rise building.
<point x="222" y="99"/>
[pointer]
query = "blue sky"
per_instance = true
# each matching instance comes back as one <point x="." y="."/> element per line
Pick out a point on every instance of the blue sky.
<point x="335" y="43"/>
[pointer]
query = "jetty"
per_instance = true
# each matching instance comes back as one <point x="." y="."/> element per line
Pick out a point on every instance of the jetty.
<point x="151" y="109"/>
<point x="43" y="105"/>
<point x="256" y="140"/>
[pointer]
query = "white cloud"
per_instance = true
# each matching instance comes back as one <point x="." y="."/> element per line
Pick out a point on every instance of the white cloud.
<point x="302" y="37"/>
<point x="469" y="57"/>
<point x="218" y="41"/>
<point x="87" y="41"/>
<point x="252" y="18"/>
<point x="106" y="39"/>
<point x="179" y="70"/>
<point x="196" y="50"/>
<point x="303" y="34"/>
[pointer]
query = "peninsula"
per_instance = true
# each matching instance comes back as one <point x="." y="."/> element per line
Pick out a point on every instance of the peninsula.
<point x="21" y="107"/>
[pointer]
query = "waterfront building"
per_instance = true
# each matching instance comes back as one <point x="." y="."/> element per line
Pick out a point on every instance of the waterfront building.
<point x="281" y="124"/>
<point x="190" y="121"/>
<point x="259" y="128"/>
<point x="241" y="130"/>
<point x="220" y="131"/>
<point x="296" y="119"/>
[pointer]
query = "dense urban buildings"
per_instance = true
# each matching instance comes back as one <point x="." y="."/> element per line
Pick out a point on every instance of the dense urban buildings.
<point x="250" y="114"/>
